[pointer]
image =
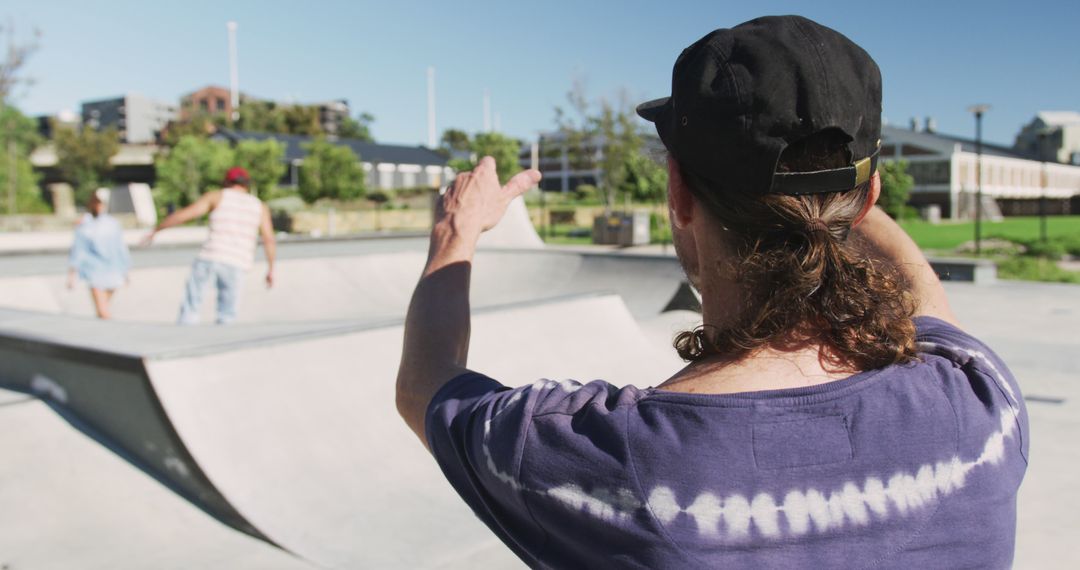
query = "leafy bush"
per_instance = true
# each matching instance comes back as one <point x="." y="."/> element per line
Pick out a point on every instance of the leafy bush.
<point x="587" y="193"/>
<point x="1035" y="269"/>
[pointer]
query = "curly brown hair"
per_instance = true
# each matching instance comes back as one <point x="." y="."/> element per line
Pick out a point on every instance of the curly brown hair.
<point x="802" y="281"/>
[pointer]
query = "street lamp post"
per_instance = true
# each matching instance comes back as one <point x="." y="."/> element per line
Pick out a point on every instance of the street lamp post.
<point x="978" y="110"/>
<point x="1042" y="190"/>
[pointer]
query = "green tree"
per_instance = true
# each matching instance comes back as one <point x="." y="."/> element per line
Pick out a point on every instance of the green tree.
<point x="646" y="180"/>
<point x="503" y="149"/>
<point x="301" y="120"/>
<point x="330" y="171"/>
<point x="358" y="128"/>
<point x="896" y="186"/>
<point x="610" y="138"/>
<point x="18" y="133"/>
<point x="454" y="141"/>
<point x="191" y="168"/>
<point x="18" y="181"/>
<point x="264" y="161"/>
<point x="82" y="157"/>
<point x="200" y="124"/>
<point x="259" y="116"/>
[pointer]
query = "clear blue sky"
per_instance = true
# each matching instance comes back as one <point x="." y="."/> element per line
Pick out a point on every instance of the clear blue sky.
<point x="936" y="57"/>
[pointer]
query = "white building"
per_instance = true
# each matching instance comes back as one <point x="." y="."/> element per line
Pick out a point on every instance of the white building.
<point x="1052" y="136"/>
<point x="137" y="119"/>
<point x="388" y="167"/>
<point x="944" y="169"/>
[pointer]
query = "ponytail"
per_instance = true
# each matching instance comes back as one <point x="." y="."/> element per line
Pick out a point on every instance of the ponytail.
<point x="803" y="281"/>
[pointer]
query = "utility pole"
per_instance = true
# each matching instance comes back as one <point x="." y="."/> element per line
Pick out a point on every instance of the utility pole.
<point x="487" y="111"/>
<point x="978" y="110"/>
<point x="431" y="137"/>
<point x="534" y="163"/>
<point x="1043" y="175"/>
<point x="234" y="72"/>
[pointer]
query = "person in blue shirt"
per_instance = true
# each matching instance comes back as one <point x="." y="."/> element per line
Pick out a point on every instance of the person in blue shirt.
<point x="98" y="254"/>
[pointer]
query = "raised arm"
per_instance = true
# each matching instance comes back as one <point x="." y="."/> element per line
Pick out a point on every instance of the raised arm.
<point x="266" y="230"/>
<point x="437" y="326"/>
<point x="196" y="210"/>
<point x="889" y="242"/>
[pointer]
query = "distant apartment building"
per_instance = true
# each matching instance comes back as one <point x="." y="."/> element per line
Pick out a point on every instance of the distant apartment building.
<point x="211" y="100"/>
<point x="945" y="173"/>
<point x="332" y="114"/>
<point x="137" y="119"/>
<point x="1052" y="136"/>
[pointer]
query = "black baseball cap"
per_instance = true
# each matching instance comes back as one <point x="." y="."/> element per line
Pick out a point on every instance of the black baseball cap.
<point x="740" y="96"/>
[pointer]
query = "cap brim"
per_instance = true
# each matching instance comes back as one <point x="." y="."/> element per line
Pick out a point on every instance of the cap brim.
<point x="651" y="110"/>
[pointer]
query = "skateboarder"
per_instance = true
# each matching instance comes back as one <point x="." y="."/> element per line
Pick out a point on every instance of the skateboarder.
<point x="237" y="219"/>
<point x="833" y="413"/>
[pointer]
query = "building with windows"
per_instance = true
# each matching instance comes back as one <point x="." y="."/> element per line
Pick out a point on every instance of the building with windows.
<point x="388" y="167"/>
<point x="210" y="100"/>
<point x="944" y="169"/>
<point x="1053" y="136"/>
<point x="137" y="119"/>
<point x="567" y="163"/>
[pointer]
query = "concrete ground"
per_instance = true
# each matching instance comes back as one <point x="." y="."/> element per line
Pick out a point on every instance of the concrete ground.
<point x="1032" y="326"/>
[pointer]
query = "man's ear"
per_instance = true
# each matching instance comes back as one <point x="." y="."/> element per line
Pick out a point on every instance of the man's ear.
<point x="871" y="199"/>
<point x="680" y="200"/>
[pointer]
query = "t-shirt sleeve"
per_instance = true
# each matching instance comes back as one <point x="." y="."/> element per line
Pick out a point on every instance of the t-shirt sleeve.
<point x="982" y="366"/>
<point x="483" y="469"/>
<point x="477" y="429"/>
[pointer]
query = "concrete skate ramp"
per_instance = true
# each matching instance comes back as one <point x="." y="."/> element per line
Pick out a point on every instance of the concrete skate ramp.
<point x="291" y="435"/>
<point x="68" y="502"/>
<point x="370" y="287"/>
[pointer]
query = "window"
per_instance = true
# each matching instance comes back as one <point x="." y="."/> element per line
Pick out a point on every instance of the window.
<point x="220" y="104"/>
<point x="932" y="172"/>
<point x="910" y="150"/>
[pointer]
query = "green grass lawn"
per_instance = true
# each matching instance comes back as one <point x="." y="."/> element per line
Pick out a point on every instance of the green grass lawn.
<point x="948" y="235"/>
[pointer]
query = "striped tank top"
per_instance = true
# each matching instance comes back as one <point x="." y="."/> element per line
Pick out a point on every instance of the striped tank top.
<point x="234" y="228"/>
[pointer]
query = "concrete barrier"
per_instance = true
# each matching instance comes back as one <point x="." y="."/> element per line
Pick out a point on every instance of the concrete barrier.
<point x="978" y="271"/>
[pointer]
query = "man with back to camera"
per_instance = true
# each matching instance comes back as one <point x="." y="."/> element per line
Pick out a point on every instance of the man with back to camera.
<point x="237" y="219"/>
<point x="832" y="413"/>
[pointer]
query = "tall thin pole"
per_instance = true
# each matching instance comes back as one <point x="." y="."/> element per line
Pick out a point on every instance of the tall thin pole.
<point x="978" y="110"/>
<point x="978" y="183"/>
<point x="431" y="142"/>
<point x="234" y="72"/>
<point x="487" y="111"/>
<point x="1043" y="175"/>
<point x="534" y="163"/>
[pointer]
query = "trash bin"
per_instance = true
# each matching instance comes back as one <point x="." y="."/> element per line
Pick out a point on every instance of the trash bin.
<point x="622" y="228"/>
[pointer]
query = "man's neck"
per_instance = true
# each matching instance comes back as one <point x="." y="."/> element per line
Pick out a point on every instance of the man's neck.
<point x="765" y="369"/>
<point x="776" y="366"/>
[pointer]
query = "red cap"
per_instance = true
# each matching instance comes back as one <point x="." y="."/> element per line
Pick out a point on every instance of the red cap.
<point x="236" y="174"/>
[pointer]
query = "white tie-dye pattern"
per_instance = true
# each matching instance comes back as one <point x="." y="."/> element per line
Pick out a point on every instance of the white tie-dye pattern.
<point x="733" y="517"/>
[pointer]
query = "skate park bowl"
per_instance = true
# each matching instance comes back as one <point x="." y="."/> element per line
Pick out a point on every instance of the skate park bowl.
<point x="274" y="442"/>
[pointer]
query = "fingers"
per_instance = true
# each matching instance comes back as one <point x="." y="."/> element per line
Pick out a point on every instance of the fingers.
<point x="486" y="163"/>
<point x="521" y="182"/>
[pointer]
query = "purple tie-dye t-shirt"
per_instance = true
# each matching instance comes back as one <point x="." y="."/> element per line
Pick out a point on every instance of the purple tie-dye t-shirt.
<point x="911" y="466"/>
